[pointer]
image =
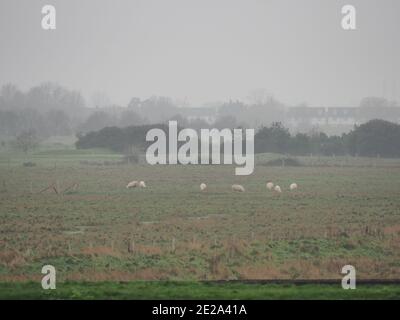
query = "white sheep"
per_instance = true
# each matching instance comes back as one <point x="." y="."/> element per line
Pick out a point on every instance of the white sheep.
<point x="270" y="185"/>
<point x="278" y="189"/>
<point x="293" y="186"/>
<point x="142" y="184"/>
<point x="132" y="184"/>
<point x="237" y="188"/>
<point x="203" y="187"/>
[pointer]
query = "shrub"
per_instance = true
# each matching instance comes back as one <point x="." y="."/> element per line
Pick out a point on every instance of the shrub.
<point x="29" y="164"/>
<point x="283" y="162"/>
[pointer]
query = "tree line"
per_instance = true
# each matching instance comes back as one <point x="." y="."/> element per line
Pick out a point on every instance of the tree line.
<point x="374" y="138"/>
<point x="47" y="110"/>
<point x="51" y="110"/>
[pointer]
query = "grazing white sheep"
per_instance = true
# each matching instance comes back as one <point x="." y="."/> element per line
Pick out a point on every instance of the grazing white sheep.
<point x="203" y="187"/>
<point x="132" y="184"/>
<point x="237" y="188"/>
<point x="142" y="184"/>
<point x="270" y="185"/>
<point x="278" y="189"/>
<point x="293" y="186"/>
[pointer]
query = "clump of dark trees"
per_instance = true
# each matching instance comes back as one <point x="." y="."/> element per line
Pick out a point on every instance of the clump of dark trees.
<point x="373" y="138"/>
<point x="118" y="139"/>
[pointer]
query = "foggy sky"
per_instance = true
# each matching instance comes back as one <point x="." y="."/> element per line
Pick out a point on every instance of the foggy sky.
<point x="205" y="50"/>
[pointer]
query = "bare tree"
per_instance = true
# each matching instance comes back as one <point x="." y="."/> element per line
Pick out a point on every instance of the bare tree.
<point x="26" y="141"/>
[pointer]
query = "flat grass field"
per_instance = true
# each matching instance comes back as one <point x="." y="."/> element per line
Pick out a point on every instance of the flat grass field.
<point x="187" y="290"/>
<point x="98" y="233"/>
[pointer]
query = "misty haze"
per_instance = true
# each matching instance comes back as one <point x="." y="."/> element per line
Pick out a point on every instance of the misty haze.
<point x="80" y="98"/>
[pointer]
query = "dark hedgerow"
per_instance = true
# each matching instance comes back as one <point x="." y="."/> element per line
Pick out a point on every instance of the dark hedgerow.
<point x="374" y="138"/>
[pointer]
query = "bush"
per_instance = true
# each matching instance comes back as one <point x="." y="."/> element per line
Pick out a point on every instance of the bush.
<point x="29" y="164"/>
<point x="283" y="162"/>
<point x="132" y="158"/>
<point x="375" y="138"/>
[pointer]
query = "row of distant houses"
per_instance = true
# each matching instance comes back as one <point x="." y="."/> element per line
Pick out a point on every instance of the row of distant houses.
<point x="341" y="115"/>
<point x="336" y="120"/>
<point x="332" y="119"/>
<point x="207" y="114"/>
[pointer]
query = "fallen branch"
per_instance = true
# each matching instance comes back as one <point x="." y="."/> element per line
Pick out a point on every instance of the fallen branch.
<point x="52" y="186"/>
<point x="74" y="186"/>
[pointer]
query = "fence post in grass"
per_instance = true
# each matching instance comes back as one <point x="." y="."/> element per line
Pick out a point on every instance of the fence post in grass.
<point x="31" y="187"/>
<point x="377" y="160"/>
<point x="112" y="245"/>
<point x="173" y="245"/>
<point x="131" y="246"/>
<point x="69" y="248"/>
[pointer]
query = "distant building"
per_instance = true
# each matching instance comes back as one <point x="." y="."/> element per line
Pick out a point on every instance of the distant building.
<point x="207" y="114"/>
<point x="336" y="120"/>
